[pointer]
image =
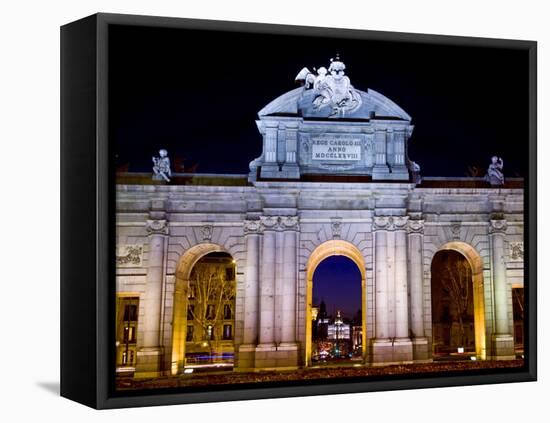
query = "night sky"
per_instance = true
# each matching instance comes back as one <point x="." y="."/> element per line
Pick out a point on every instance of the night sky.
<point x="197" y="94"/>
<point x="337" y="281"/>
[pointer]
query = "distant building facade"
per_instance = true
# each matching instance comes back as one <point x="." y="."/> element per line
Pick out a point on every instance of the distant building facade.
<point x="334" y="178"/>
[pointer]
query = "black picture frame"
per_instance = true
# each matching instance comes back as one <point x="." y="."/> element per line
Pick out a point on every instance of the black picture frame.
<point x="87" y="221"/>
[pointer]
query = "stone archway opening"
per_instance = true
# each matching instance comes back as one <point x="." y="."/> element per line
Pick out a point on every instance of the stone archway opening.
<point x="457" y="296"/>
<point x="321" y="253"/>
<point x="203" y="323"/>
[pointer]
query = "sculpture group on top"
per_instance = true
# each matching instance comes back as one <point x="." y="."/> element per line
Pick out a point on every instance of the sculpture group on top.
<point x="332" y="88"/>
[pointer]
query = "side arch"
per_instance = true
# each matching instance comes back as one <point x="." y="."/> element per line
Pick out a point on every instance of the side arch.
<point x="476" y="264"/>
<point x="183" y="272"/>
<point x="323" y="251"/>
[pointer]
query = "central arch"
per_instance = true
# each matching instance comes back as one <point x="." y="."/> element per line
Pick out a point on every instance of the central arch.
<point x="476" y="264"/>
<point x="323" y="251"/>
<point x="179" y="321"/>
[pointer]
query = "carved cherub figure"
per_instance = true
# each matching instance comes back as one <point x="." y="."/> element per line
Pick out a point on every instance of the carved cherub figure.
<point x="161" y="166"/>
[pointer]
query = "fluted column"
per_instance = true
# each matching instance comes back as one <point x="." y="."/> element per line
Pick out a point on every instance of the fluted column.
<point x="270" y="137"/>
<point x="416" y="233"/>
<point x="381" y="279"/>
<point x="252" y="236"/>
<point x="288" y="333"/>
<point x="503" y="345"/>
<point x="401" y="295"/>
<point x="380" y="169"/>
<point x="148" y="363"/>
<point x="392" y="343"/>
<point x="267" y="283"/>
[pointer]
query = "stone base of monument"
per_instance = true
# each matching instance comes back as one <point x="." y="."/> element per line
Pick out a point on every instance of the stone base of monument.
<point x="291" y="171"/>
<point x="271" y="357"/>
<point x="421" y="350"/>
<point x="384" y="173"/>
<point x="148" y="363"/>
<point x="269" y="171"/>
<point x="502" y="347"/>
<point x="385" y="352"/>
<point x="246" y="358"/>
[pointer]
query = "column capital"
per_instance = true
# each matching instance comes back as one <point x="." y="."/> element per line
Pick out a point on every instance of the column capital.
<point x="279" y="223"/>
<point x="415" y="227"/>
<point x="157" y="227"/>
<point x="252" y="227"/>
<point x="497" y="226"/>
<point x="390" y="223"/>
<point x="289" y="223"/>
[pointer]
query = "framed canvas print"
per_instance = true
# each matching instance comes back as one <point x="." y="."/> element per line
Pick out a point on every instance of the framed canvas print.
<point x="257" y="211"/>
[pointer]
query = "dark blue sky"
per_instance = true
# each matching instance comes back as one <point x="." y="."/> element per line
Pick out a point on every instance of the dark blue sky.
<point x="197" y="94"/>
<point x="337" y="281"/>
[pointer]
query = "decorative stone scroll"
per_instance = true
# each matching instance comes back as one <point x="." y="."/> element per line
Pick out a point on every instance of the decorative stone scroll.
<point x="132" y="255"/>
<point x="497" y="226"/>
<point x="516" y="251"/>
<point x="390" y="223"/>
<point x="157" y="227"/>
<point x="279" y="223"/>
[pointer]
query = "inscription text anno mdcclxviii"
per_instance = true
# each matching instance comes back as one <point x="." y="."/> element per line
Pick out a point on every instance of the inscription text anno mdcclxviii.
<point x="335" y="149"/>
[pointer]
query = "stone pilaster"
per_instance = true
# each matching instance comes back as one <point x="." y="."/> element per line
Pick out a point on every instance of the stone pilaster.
<point x="399" y="168"/>
<point x="380" y="169"/>
<point x="392" y="343"/>
<point x="290" y="167"/>
<point x="502" y="340"/>
<point x="277" y="346"/>
<point x="149" y="353"/>
<point x="402" y="347"/>
<point x="267" y="283"/>
<point x="416" y="268"/>
<point x="270" y="167"/>
<point x="288" y="333"/>
<point x="252" y="232"/>
<point x="381" y="346"/>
